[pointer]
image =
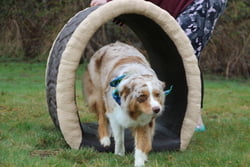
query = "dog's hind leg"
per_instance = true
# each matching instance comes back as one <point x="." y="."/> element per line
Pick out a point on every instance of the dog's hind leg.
<point x="96" y="105"/>
<point x="103" y="123"/>
<point x="89" y="91"/>
<point x="103" y="127"/>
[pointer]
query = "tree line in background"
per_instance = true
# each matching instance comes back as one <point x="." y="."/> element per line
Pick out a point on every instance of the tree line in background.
<point x="28" y="29"/>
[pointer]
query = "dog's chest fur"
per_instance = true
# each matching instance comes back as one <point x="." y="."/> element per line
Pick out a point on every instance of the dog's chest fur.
<point x="125" y="120"/>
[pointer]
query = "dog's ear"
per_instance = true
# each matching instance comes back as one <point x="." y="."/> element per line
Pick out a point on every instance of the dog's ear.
<point x="115" y="82"/>
<point x="125" y="92"/>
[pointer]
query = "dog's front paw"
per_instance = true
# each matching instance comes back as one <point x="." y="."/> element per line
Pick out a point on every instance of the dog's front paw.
<point x="140" y="158"/>
<point x="105" y="141"/>
<point x="139" y="163"/>
<point x="119" y="149"/>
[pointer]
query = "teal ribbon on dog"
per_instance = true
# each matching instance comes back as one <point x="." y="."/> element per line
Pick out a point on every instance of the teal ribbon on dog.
<point x="115" y="95"/>
<point x="114" y="83"/>
<point x="167" y="92"/>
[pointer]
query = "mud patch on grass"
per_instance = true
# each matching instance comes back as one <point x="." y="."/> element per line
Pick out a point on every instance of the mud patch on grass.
<point x="44" y="153"/>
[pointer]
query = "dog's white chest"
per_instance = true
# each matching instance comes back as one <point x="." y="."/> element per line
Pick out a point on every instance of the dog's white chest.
<point x="123" y="119"/>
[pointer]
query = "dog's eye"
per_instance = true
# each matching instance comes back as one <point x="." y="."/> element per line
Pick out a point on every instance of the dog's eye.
<point x="142" y="98"/>
<point x="157" y="94"/>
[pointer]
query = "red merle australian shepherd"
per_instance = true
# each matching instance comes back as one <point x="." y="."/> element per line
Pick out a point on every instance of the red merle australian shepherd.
<point x="124" y="92"/>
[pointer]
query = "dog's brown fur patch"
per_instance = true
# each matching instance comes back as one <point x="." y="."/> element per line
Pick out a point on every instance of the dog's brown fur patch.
<point x="125" y="92"/>
<point x="143" y="138"/>
<point x="98" y="62"/>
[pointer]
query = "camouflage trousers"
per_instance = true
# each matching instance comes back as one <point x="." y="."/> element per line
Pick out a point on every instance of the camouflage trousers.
<point x="198" y="21"/>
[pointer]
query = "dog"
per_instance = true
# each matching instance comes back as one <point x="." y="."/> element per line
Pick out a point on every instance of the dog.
<point x="124" y="92"/>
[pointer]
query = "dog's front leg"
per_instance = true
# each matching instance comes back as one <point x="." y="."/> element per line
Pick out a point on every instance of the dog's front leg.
<point x="118" y="133"/>
<point x="143" y="144"/>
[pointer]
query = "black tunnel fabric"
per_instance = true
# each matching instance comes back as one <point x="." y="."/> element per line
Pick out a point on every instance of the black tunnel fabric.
<point x="170" y="55"/>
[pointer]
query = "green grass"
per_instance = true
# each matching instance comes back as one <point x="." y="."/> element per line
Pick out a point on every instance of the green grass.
<point x="28" y="137"/>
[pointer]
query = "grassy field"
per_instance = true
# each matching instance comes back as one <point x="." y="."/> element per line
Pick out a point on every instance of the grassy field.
<point x="28" y="137"/>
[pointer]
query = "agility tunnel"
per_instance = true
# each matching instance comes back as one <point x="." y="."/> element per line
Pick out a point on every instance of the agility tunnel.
<point x="171" y="56"/>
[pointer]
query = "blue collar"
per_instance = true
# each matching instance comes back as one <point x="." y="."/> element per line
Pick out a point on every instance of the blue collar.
<point x="114" y="83"/>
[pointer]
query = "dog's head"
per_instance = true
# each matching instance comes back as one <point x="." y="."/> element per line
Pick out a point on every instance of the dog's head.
<point x="141" y="95"/>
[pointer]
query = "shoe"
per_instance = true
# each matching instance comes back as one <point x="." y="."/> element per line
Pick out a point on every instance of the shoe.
<point x="200" y="128"/>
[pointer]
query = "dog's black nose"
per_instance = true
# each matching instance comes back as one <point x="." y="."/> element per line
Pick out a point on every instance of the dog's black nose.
<point x="156" y="109"/>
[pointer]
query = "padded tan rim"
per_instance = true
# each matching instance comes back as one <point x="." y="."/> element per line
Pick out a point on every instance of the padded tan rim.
<point x="66" y="105"/>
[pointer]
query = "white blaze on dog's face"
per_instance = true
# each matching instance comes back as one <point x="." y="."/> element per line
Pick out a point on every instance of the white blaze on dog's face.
<point x="142" y="95"/>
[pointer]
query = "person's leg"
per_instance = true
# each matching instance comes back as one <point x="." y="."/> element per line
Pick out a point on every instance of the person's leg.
<point x="198" y="21"/>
